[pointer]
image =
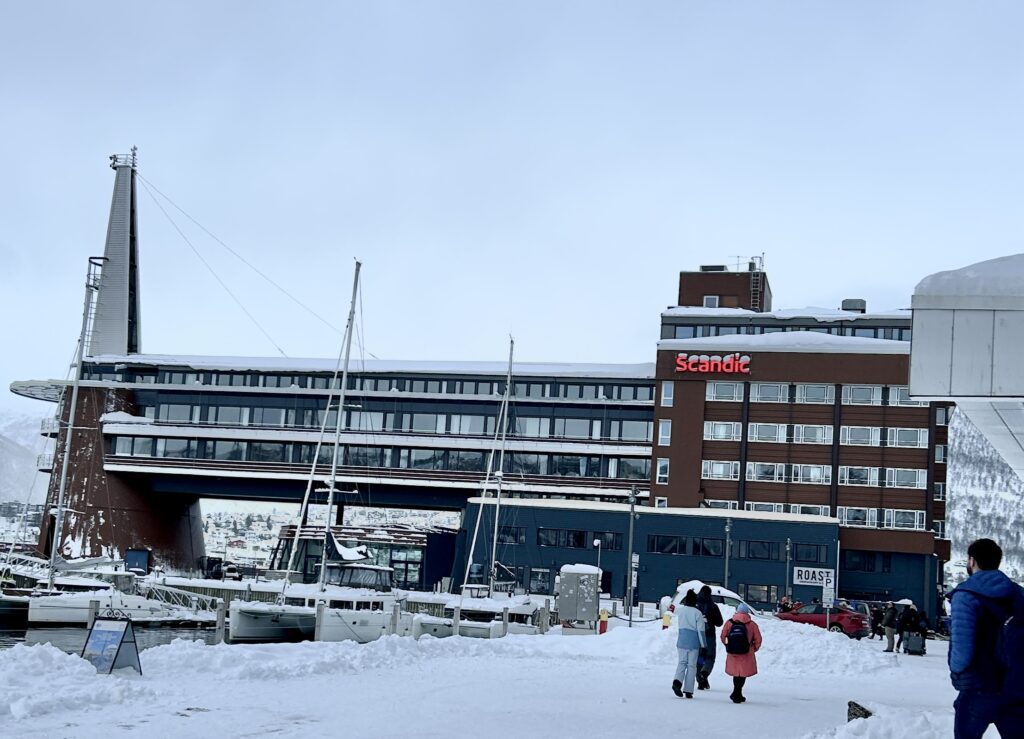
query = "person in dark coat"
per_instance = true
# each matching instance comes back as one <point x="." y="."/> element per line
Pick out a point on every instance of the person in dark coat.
<point x="741" y="666"/>
<point x="973" y="664"/>
<point x="907" y="623"/>
<point x="876" y="623"/>
<point x="889" y="624"/>
<point x="713" y="619"/>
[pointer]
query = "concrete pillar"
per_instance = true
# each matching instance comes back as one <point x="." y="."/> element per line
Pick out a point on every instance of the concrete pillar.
<point x="504" y="621"/>
<point x="94" y="611"/>
<point x="320" y="606"/>
<point x="396" y="617"/>
<point x="456" y="620"/>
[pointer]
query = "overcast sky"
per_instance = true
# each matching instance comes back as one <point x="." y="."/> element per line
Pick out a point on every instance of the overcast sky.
<point x="544" y="169"/>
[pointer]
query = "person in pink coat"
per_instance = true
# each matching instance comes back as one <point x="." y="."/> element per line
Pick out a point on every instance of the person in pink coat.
<point x="742" y="639"/>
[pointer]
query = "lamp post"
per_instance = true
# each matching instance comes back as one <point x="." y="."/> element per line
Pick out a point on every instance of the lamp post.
<point x="631" y="568"/>
<point x="728" y="548"/>
<point x="789" y="547"/>
<point x="597" y="543"/>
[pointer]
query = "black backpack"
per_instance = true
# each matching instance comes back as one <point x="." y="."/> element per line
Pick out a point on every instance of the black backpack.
<point x="737" y="640"/>
<point x="1009" y="643"/>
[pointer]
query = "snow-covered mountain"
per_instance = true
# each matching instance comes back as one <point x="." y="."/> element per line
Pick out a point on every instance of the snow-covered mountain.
<point x="20" y="443"/>
<point x="985" y="497"/>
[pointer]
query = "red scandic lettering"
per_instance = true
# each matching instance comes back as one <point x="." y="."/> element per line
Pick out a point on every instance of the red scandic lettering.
<point x="715" y="365"/>
<point x="680" y="363"/>
<point x="743" y="366"/>
<point x="729" y="364"/>
<point x="694" y="364"/>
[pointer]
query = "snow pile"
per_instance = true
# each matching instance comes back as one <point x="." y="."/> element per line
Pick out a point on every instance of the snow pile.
<point x="891" y="724"/>
<point x="42" y="679"/>
<point x="122" y="417"/>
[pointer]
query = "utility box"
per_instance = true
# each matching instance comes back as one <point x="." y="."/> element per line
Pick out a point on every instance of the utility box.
<point x="578" y="593"/>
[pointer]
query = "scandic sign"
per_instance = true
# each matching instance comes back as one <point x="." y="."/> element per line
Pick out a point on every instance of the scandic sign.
<point x="730" y="364"/>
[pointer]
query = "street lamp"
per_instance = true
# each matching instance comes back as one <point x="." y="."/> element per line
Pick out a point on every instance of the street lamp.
<point x="631" y="568"/>
<point x="597" y="543"/>
<point x="728" y="548"/>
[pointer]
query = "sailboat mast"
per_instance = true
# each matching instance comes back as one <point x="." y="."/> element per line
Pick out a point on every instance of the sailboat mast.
<point x="349" y="325"/>
<point x="500" y="472"/>
<point x="91" y="285"/>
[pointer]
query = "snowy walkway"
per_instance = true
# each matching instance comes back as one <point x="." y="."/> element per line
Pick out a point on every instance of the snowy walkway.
<point x="550" y="686"/>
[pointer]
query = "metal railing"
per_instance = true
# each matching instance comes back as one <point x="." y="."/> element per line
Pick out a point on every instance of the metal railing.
<point x="177" y="597"/>
<point x="44" y="462"/>
<point x="49" y="426"/>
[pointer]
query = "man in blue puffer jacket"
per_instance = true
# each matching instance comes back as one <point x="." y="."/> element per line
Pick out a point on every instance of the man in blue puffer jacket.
<point x="973" y="665"/>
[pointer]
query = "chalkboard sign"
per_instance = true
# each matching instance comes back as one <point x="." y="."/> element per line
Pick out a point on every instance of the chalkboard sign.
<point x="111" y="646"/>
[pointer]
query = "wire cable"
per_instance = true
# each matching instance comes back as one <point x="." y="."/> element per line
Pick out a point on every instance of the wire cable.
<point x="212" y="271"/>
<point x="242" y="259"/>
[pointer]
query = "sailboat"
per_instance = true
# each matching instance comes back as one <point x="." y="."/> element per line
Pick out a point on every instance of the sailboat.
<point x="475" y="611"/>
<point x="357" y="598"/>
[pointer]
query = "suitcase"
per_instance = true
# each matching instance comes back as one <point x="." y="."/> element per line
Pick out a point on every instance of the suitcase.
<point x="913" y="644"/>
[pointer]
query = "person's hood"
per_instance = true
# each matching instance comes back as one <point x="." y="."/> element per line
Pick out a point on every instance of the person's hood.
<point x="743" y="618"/>
<point x="988" y="583"/>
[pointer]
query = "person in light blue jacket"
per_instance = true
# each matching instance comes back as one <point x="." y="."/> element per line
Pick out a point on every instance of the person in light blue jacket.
<point x="690" y="641"/>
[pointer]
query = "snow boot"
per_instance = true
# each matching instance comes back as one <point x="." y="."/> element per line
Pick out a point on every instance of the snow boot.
<point x="689" y="695"/>
<point x="677" y="688"/>
<point x="702" y="681"/>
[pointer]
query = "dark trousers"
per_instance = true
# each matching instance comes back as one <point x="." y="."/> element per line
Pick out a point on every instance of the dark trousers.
<point x="737" y="685"/>
<point x="977" y="710"/>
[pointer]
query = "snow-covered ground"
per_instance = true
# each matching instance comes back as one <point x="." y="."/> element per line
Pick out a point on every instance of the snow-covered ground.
<point x="617" y="684"/>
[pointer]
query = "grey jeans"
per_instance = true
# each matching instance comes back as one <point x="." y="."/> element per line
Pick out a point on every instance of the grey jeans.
<point x="686" y="670"/>
<point x="890" y="637"/>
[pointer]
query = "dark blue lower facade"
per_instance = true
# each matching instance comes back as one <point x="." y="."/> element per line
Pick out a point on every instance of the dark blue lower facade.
<point x="882" y="576"/>
<point x="674" y="545"/>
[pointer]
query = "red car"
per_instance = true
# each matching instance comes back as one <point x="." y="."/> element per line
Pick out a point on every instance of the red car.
<point x="853" y="624"/>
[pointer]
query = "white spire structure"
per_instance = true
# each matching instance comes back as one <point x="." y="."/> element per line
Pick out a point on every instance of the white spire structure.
<point x="115" y="325"/>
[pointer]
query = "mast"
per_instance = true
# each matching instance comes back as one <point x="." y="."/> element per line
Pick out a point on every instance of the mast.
<point x="501" y="467"/>
<point x="499" y="436"/>
<point x="338" y="426"/>
<point x="92" y="283"/>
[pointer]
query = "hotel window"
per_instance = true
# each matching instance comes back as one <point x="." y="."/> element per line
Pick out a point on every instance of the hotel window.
<point x="611" y="541"/>
<point x="898" y="519"/>
<point x="767" y="432"/>
<point x="708" y="547"/>
<point x="858" y="476"/>
<point x="662" y="476"/>
<point x="540" y="581"/>
<point x="763" y="392"/>
<point x="263" y="451"/>
<point x="532" y="427"/>
<point x="862" y="395"/>
<point x="625" y="430"/>
<point x="812" y="474"/>
<point x="426" y="459"/>
<point x="725" y="391"/>
<point x="228" y="415"/>
<point x="666" y="544"/>
<point x="913" y="438"/>
<point x="177" y="413"/>
<point x="368" y="456"/>
<point x="660" y="502"/>
<point x="729" y="330"/>
<point x="629" y="468"/>
<point x="428" y="423"/>
<point x="472" y="425"/>
<point x="123" y="446"/>
<point x="466" y="461"/>
<point x="810" y="552"/>
<point x="667" y="392"/>
<point x="710" y="301"/>
<point x="860" y="436"/>
<point x="940" y="452"/>
<point x="897" y="477"/>
<point x="804" y="434"/>
<point x="939" y="491"/>
<point x="809" y="510"/>
<point x="939" y="527"/>
<point x="766" y="472"/>
<point x="685" y="332"/>
<point x="766" y="507"/>
<point x="716" y="470"/>
<point x="572" y="428"/>
<point x="365" y="421"/>
<point x="511" y="535"/>
<point x="664" y="432"/>
<point x="527" y="464"/>
<point x="645" y="392"/>
<point x="722" y="431"/>
<point x="820" y="394"/>
<point x="228" y="449"/>
<point x="267" y="416"/>
<point x="857" y="516"/>
<point x="729" y="505"/>
<point x="859" y="561"/>
<point x="942" y="415"/>
<point x="901" y="396"/>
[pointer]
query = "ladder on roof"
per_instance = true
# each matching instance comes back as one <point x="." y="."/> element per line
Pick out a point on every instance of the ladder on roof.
<point x="755" y="291"/>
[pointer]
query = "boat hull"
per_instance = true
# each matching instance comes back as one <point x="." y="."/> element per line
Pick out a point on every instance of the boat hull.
<point x="270" y="624"/>
<point x="13" y="610"/>
<point x="72" y="609"/>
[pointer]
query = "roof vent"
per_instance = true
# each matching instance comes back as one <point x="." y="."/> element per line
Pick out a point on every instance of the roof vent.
<point x="855" y="305"/>
<point x="713" y="268"/>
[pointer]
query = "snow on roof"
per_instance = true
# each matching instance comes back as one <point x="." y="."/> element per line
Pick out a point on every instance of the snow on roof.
<point x="1001" y="276"/>
<point x="588" y="505"/>
<point x="824" y="315"/>
<point x="638" y="371"/>
<point x="578" y="569"/>
<point x="806" y="342"/>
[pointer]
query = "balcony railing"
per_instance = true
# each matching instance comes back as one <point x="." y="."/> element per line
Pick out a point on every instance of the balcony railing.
<point x="49" y="426"/>
<point x="44" y="463"/>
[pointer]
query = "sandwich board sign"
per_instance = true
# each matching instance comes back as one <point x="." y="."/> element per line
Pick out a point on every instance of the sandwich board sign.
<point x="111" y="646"/>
